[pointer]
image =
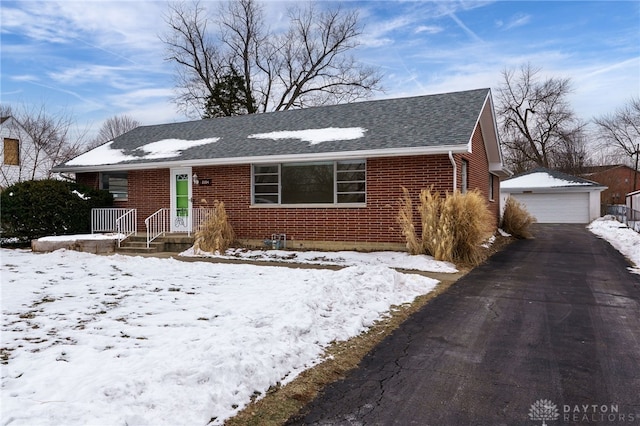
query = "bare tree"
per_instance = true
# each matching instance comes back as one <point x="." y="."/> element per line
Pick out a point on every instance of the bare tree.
<point x="537" y="125"/>
<point x="310" y="64"/>
<point x="619" y="133"/>
<point x="112" y="128"/>
<point x="44" y="140"/>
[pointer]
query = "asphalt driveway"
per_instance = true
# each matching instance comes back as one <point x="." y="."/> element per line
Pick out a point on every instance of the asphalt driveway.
<point x="556" y="318"/>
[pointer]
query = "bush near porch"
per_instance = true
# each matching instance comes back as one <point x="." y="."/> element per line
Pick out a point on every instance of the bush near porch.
<point x="34" y="209"/>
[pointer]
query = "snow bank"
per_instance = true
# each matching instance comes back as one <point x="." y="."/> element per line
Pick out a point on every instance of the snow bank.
<point x="621" y="237"/>
<point x="130" y="340"/>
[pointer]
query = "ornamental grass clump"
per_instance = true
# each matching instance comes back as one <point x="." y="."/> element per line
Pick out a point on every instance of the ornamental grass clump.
<point x="216" y="234"/>
<point x="453" y="227"/>
<point x="469" y="224"/>
<point x="516" y="220"/>
<point x="405" y="220"/>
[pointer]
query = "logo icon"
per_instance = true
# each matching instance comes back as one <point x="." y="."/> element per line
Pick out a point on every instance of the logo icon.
<point x="543" y="409"/>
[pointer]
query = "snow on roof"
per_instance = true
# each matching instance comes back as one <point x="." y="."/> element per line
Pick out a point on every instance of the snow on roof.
<point x="165" y="148"/>
<point x="540" y="180"/>
<point x="315" y="136"/>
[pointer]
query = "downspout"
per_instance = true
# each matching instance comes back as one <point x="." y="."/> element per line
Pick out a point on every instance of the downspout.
<point x="455" y="172"/>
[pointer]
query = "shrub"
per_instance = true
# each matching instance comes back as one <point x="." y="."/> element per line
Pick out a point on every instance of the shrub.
<point x="453" y="227"/>
<point x="34" y="209"/>
<point x="216" y="233"/>
<point x="516" y="220"/>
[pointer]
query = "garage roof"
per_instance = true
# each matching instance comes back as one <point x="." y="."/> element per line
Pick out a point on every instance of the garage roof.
<point x="543" y="178"/>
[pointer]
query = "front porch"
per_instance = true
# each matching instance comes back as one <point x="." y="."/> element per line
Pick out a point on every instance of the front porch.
<point x="159" y="234"/>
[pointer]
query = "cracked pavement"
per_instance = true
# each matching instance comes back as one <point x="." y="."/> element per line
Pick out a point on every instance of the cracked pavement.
<point x="553" y="318"/>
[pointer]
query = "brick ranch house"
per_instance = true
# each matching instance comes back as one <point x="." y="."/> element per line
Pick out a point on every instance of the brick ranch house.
<point x="328" y="177"/>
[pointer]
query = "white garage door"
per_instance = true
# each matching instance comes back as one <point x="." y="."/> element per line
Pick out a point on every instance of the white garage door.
<point x="572" y="207"/>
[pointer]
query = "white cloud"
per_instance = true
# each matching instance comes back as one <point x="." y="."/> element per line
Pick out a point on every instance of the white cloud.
<point x="429" y="29"/>
<point x="514" y="22"/>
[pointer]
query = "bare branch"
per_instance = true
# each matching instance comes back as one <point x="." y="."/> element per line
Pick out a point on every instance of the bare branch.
<point x="537" y="125"/>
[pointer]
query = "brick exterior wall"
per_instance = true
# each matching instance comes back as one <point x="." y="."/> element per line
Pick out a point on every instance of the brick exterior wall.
<point x="376" y="223"/>
<point x="619" y="181"/>
<point x="478" y="173"/>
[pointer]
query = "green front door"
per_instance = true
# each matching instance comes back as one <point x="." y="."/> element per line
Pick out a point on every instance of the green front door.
<point x="180" y="199"/>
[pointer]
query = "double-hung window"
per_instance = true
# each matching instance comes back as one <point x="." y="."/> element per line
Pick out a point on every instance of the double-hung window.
<point x="311" y="183"/>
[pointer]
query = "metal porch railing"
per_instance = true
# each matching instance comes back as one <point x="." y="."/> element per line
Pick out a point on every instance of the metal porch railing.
<point x="159" y="223"/>
<point x="122" y="221"/>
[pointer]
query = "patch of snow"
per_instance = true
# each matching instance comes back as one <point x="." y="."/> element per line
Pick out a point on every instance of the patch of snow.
<point x="82" y="237"/>
<point x="103" y="154"/>
<point x="503" y="232"/>
<point x="391" y="259"/>
<point x="539" y="180"/>
<point x="620" y="236"/>
<point x="315" y="136"/>
<point x="129" y="340"/>
<point x="168" y="148"/>
<point x="165" y="148"/>
<point x="82" y="196"/>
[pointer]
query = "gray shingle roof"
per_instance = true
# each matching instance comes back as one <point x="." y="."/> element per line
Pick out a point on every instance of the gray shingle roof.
<point x="417" y="122"/>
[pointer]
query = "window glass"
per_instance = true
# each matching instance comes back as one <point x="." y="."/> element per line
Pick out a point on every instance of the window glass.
<point x="307" y="183"/>
<point x="490" y="186"/>
<point x="116" y="183"/>
<point x="465" y="176"/>
<point x="325" y="182"/>
<point x="266" y="180"/>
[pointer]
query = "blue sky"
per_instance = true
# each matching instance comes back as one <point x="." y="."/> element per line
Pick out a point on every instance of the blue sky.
<point x="95" y="59"/>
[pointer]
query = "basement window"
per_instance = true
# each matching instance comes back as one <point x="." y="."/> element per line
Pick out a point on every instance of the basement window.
<point x="310" y="183"/>
<point x="117" y="183"/>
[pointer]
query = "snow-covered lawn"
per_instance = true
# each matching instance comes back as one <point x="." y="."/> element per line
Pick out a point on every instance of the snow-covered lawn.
<point x="115" y="340"/>
<point x="393" y="259"/>
<point x="97" y="340"/>
<point x="621" y="237"/>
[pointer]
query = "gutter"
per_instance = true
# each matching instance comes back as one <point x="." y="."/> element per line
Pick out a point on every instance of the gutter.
<point x="455" y="171"/>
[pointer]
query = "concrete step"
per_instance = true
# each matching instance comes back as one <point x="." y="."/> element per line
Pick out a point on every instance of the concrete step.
<point x="141" y="247"/>
<point x="174" y="243"/>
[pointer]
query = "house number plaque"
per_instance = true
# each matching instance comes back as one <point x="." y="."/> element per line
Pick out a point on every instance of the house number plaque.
<point x="204" y="182"/>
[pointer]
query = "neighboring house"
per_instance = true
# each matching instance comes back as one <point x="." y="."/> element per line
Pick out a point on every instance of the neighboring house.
<point x="619" y="180"/>
<point x="555" y="197"/>
<point x="327" y="177"/>
<point x="632" y="212"/>
<point x="21" y="159"/>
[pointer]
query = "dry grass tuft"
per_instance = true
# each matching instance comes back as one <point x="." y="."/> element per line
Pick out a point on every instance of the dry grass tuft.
<point x="516" y="220"/>
<point x="469" y="224"/>
<point x="215" y="234"/>
<point x="453" y="227"/>
<point x="405" y="220"/>
<point x="430" y="209"/>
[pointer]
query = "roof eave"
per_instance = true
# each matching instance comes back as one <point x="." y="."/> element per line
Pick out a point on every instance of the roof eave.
<point x="283" y="158"/>
<point x="570" y="188"/>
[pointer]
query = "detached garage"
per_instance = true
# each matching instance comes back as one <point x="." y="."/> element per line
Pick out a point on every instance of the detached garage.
<point x="554" y="197"/>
